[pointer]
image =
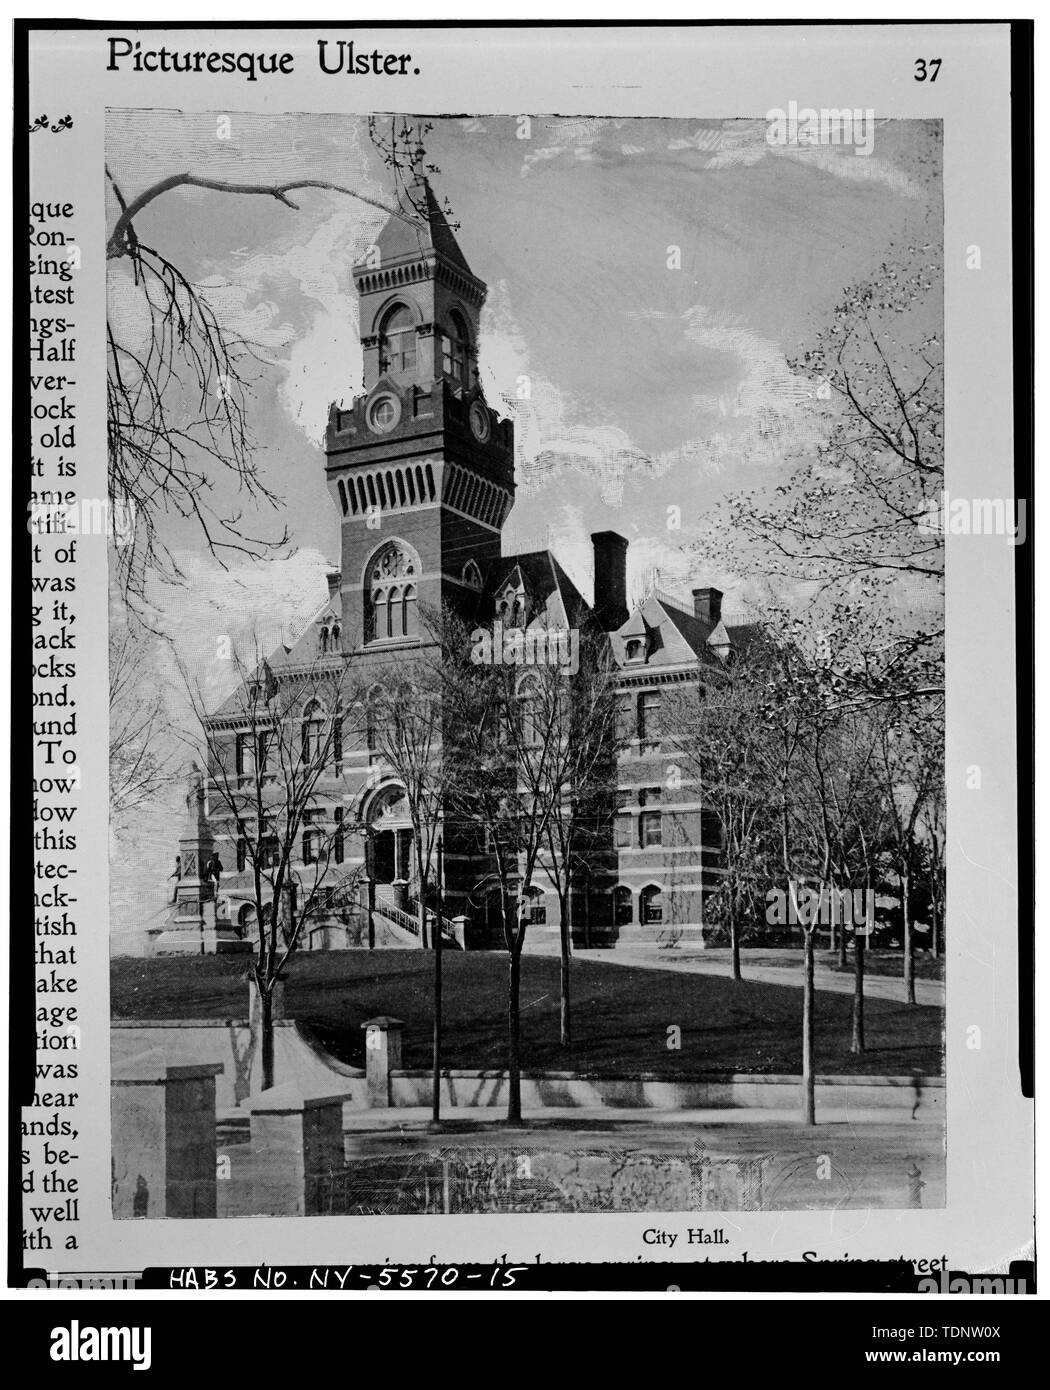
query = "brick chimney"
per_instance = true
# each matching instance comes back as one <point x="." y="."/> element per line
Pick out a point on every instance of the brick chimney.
<point x="610" y="579"/>
<point x="334" y="580"/>
<point x="707" y="605"/>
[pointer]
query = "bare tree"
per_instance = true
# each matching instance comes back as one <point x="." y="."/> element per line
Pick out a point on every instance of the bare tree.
<point x="405" y="717"/>
<point x="138" y="772"/>
<point x="267" y="753"/>
<point x="861" y="508"/>
<point x="910" y="766"/>
<point x="508" y="787"/>
<point x="179" y="385"/>
<point x="574" y="716"/>
<point x="722" y="742"/>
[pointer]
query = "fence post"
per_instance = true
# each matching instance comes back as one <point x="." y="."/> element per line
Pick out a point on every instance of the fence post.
<point x="164" y="1154"/>
<point x="382" y="1056"/>
<point x="297" y="1147"/>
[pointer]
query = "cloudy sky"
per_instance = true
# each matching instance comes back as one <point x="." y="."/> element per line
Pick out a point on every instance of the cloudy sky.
<point x="637" y="371"/>
<point x="650" y="386"/>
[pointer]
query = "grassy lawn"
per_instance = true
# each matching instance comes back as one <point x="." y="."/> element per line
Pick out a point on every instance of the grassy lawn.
<point x="621" y="1015"/>
<point x="887" y="963"/>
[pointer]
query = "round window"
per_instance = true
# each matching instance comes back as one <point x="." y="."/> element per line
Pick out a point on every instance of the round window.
<point x="383" y="414"/>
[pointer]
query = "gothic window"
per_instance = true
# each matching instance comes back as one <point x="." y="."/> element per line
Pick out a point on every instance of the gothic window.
<point x="390" y="605"/>
<point x="512" y="607"/>
<point x="324" y="637"/>
<point x="651" y="903"/>
<point x="471" y="574"/>
<point x="409" y="626"/>
<point x="397" y="342"/>
<point x="623" y="910"/>
<point x="537" y="908"/>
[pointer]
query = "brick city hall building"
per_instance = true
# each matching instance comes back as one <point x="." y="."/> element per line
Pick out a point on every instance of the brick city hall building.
<point x="421" y="471"/>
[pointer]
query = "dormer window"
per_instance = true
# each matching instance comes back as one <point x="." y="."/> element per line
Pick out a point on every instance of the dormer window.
<point x="397" y="342"/>
<point x="512" y="603"/>
<point x="635" y="649"/>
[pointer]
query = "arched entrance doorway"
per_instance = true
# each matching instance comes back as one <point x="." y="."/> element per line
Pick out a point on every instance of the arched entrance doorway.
<point x="390" y="836"/>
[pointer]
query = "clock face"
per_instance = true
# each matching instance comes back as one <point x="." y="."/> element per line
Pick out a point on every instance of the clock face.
<point x="479" y="421"/>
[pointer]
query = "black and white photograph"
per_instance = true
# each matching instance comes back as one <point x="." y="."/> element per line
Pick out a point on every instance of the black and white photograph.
<point x="528" y="559"/>
<point x="526" y="642"/>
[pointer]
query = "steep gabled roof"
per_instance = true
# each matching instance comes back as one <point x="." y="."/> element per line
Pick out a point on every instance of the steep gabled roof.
<point x="682" y="636"/>
<point x="549" y="585"/>
<point x="415" y="233"/>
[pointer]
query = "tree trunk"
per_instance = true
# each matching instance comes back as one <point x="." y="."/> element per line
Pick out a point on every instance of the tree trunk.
<point x="566" y="954"/>
<point x="843" y="959"/>
<point x="734" y="941"/>
<point x="809" y="1108"/>
<point x="266" y="1037"/>
<point x="514" y="1038"/>
<point x="909" y="962"/>
<point x="935" y="914"/>
<point x="436" y="1105"/>
<point x="422" y="923"/>
<point x="857" y="1040"/>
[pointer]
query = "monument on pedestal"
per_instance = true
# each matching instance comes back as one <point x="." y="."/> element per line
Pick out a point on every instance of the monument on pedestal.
<point x="194" y="928"/>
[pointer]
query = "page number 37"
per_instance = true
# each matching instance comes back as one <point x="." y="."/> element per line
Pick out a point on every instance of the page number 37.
<point x="926" y="69"/>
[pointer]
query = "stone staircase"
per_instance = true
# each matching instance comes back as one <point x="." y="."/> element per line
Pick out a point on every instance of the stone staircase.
<point x="397" y="918"/>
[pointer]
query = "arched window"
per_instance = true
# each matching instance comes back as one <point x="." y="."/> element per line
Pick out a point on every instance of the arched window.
<point x="455" y="350"/>
<point x="313" y="731"/>
<point x="397" y="342"/>
<point x="651" y="902"/>
<point x="623" y="909"/>
<point x="408" y="611"/>
<point x="323" y="640"/>
<point x="471" y="574"/>
<point x="537" y="908"/>
<point x="390" y="603"/>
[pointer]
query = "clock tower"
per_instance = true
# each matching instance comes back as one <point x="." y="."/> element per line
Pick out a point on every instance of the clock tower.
<point x="419" y="466"/>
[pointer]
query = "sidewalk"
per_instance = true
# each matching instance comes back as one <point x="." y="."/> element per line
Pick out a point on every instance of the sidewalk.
<point x="759" y="966"/>
<point x="560" y="1128"/>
